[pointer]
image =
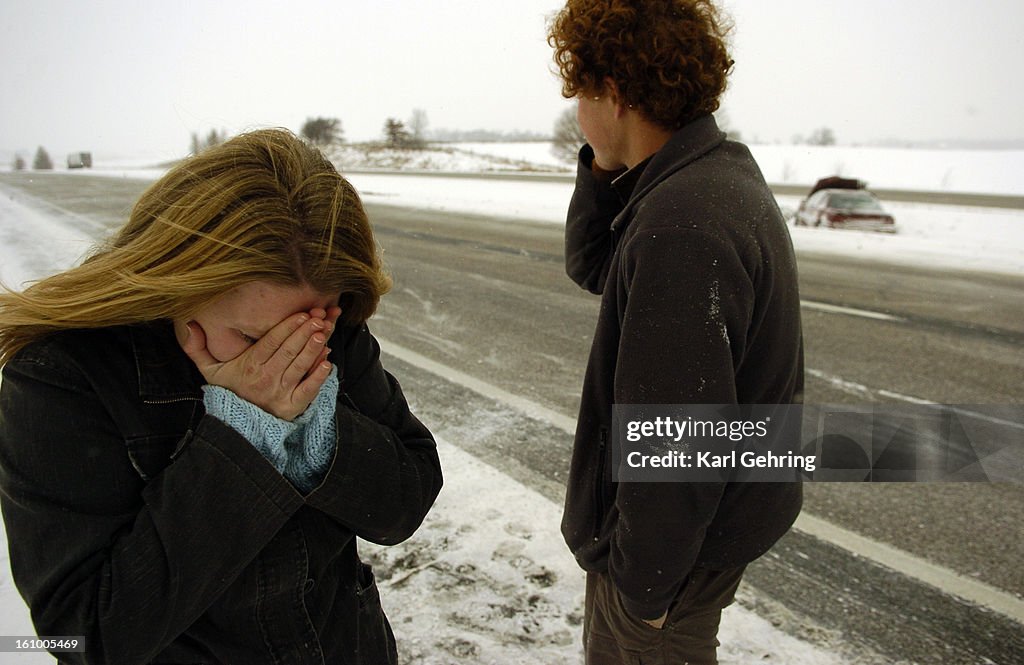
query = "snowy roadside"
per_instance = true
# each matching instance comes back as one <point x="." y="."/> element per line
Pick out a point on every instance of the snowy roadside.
<point x="34" y="243"/>
<point x="933" y="236"/>
<point x="487" y="579"/>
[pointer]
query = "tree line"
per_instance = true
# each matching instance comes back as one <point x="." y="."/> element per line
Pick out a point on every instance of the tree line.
<point x="41" y="162"/>
<point x="322" y="131"/>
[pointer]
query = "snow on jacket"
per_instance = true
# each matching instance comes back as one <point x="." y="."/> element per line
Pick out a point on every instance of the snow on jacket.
<point x="161" y="535"/>
<point x="699" y="306"/>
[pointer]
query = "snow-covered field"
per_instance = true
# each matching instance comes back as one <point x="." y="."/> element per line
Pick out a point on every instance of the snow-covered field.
<point x="977" y="171"/>
<point x="923" y="169"/>
<point x="957" y="238"/>
<point x="461" y="157"/>
<point x="489" y="581"/>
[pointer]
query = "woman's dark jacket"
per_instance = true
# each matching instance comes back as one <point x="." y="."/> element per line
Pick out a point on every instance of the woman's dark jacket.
<point x="699" y="306"/>
<point x="163" y="536"/>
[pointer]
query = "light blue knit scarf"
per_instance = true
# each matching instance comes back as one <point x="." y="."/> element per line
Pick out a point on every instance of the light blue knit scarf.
<point x="301" y="450"/>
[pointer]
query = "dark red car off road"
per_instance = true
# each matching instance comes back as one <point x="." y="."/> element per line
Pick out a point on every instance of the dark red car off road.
<point x="842" y="203"/>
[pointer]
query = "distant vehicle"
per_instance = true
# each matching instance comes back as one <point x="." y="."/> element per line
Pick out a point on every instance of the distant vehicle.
<point x="80" y="160"/>
<point x="843" y="203"/>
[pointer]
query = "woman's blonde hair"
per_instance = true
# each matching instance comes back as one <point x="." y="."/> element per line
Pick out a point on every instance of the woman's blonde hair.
<point x="263" y="206"/>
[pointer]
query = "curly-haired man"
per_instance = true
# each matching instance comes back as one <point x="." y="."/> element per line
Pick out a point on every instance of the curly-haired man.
<point x="674" y="226"/>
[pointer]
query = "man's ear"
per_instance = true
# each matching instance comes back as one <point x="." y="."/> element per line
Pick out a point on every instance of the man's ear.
<point x="612" y="91"/>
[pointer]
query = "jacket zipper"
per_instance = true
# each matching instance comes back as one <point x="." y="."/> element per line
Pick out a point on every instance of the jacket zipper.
<point x="599" y="493"/>
<point x="171" y="401"/>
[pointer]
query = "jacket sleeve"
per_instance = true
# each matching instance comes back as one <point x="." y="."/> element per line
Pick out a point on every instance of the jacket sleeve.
<point x="688" y="308"/>
<point x="588" y="235"/>
<point x="96" y="553"/>
<point x="386" y="472"/>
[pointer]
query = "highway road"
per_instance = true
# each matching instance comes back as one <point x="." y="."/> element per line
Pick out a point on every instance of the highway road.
<point x="490" y="339"/>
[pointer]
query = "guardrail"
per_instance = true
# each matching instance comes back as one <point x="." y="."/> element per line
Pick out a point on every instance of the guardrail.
<point x="910" y="196"/>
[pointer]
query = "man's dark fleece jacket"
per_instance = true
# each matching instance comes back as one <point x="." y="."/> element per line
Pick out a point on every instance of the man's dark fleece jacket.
<point x="699" y="306"/>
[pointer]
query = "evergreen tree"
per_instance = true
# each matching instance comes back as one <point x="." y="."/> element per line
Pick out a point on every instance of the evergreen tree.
<point x="396" y="134"/>
<point x="42" y="161"/>
<point x="215" y="138"/>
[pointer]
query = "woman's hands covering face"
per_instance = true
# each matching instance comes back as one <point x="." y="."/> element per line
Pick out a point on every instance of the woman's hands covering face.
<point x="282" y="372"/>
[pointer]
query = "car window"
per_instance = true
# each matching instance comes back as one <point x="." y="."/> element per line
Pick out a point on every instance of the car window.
<point x="851" y="201"/>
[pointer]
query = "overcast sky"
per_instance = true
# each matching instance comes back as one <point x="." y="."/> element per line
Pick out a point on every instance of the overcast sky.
<point x="123" y="77"/>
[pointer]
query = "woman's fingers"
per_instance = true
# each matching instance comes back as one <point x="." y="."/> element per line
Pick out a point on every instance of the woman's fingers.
<point x="282" y="372"/>
<point x="307" y="390"/>
<point x="333" y="314"/>
<point x="300" y="362"/>
<point x="267" y="347"/>
<point x="305" y="360"/>
<point x="291" y="351"/>
<point x="299" y="354"/>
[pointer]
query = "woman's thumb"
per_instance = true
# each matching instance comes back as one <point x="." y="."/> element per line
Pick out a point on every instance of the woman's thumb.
<point x="195" y="345"/>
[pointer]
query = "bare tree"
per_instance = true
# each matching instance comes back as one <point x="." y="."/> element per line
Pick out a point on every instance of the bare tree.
<point x="19" y="163"/>
<point x="568" y="137"/>
<point x="322" y="131"/>
<point x="418" y="128"/>
<point x="822" y="136"/>
<point x="725" y="124"/>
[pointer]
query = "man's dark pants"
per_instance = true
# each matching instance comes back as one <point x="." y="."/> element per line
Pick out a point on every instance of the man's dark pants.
<point x="690" y="634"/>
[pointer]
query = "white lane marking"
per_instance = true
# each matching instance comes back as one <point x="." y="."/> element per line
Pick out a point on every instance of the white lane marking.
<point x="851" y="311"/>
<point x="943" y="579"/>
<point x="527" y="406"/>
<point x="839" y="383"/>
<point x="905" y="398"/>
<point x="860" y="390"/>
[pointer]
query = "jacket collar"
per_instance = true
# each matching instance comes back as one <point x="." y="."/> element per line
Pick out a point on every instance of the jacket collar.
<point x="688" y="144"/>
<point x="625" y="184"/>
<point x="164" y="371"/>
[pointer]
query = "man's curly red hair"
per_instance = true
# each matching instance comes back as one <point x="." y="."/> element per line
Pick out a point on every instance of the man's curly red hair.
<point x="668" y="58"/>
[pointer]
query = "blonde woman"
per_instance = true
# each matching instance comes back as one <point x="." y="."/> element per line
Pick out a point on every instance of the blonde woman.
<point x="195" y="425"/>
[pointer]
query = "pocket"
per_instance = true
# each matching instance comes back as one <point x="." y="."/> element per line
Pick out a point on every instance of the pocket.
<point x="150" y="455"/>
<point x="631" y="635"/>
<point x="705" y="594"/>
<point x="376" y="641"/>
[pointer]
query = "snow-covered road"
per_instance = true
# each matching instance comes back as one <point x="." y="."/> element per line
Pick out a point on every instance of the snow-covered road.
<point x="487" y="563"/>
